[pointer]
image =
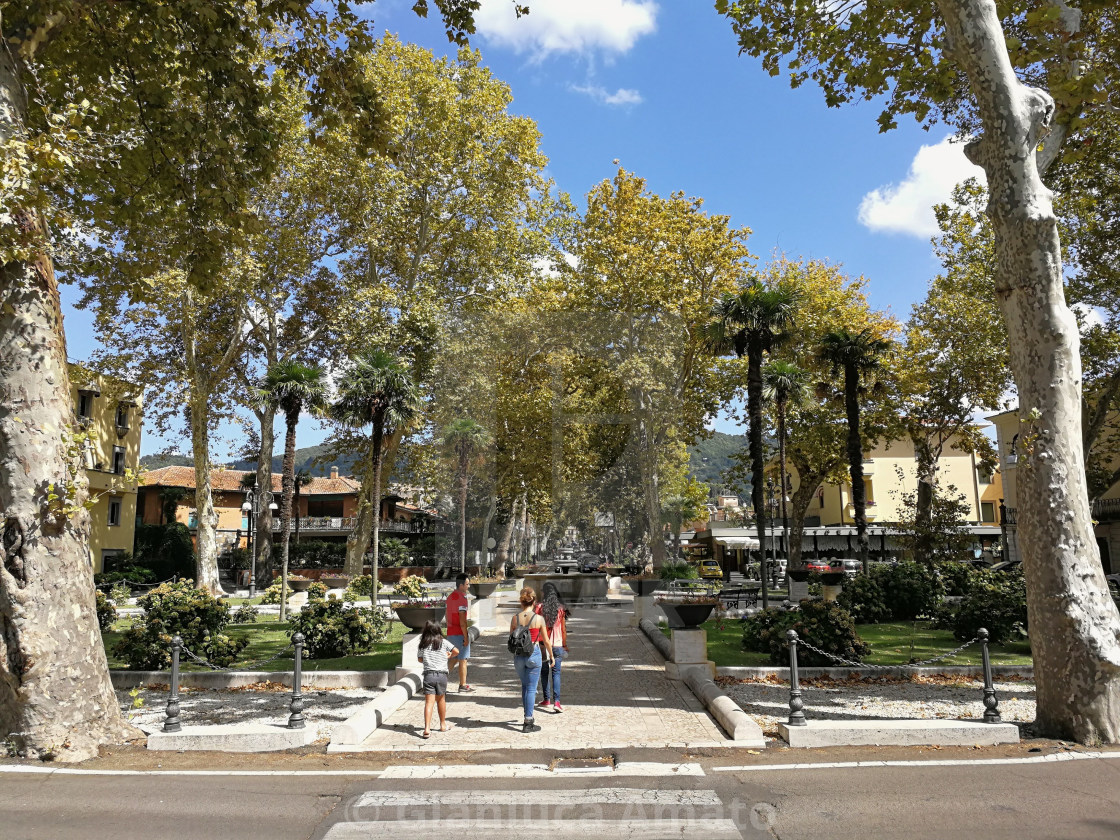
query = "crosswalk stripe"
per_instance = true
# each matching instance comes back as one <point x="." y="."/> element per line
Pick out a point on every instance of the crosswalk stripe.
<point x="525" y="798"/>
<point x="520" y="771"/>
<point x="552" y="829"/>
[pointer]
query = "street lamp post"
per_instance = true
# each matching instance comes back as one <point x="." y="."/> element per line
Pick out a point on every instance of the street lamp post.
<point x="771" y="573"/>
<point x="247" y="509"/>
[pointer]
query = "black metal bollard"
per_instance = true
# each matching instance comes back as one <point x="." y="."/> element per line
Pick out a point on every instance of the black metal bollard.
<point x="172" y="723"/>
<point x="991" y="703"/>
<point x="296" y="721"/>
<point x="796" y="715"/>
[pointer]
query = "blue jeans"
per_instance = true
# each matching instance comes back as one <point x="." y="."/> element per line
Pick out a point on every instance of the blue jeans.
<point x="529" y="672"/>
<point x="550" y="676"/>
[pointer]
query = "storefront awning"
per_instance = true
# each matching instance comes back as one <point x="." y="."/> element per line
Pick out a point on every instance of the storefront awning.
<point x="737" y="542"/>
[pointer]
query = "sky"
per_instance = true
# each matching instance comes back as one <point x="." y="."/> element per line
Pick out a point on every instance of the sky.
<point x="660" y="87"/>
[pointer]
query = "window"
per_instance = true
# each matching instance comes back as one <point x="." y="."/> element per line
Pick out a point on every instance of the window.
<point x="118" y="460"/>
<point x="122" y="415"/>
<point x="85" y="405"/>
<point x="114" y="510"/>
<point x="192" y="519"/>
<point x="984" y="475"/>
<point x="868" y="494"/>
<point x="987" y="511"/>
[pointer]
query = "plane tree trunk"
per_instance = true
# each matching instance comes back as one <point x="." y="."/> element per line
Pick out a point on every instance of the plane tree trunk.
<point x="1075" y="629"/>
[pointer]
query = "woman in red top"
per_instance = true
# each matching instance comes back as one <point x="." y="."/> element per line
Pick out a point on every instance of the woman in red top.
<point x="529" y="667"/>
<point x="555" y="614"/>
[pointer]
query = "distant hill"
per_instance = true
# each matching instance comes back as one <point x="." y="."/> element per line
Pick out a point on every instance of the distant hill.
<point x="709" y="458"/>
<point x="163" y="459"/>
<point x="305" y="460"/>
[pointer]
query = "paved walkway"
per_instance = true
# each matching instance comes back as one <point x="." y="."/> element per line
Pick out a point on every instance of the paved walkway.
<point x="614" y="692"/>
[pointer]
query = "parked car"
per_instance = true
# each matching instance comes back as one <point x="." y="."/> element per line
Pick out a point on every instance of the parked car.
<point x="710" y="569"/>
<point x="590" y="562"/>
<point x="850" y="566"/>
<point x="818" y="565"/>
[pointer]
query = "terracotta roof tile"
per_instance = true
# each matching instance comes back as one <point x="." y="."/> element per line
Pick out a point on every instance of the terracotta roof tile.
<point x="230" y="481"/>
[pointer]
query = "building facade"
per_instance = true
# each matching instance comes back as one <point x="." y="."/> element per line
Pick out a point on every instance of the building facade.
<point x="108" y="412"/>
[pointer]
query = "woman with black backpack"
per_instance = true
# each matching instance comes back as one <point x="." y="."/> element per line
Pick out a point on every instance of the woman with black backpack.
<point x="527" y="632"/>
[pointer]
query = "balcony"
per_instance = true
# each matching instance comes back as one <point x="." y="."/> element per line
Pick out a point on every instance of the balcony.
<point x="346" y="524"/>
<point x="1106" y="510"/>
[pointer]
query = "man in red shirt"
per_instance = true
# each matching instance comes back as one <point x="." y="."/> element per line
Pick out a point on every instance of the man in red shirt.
<point x="457" y="628"/>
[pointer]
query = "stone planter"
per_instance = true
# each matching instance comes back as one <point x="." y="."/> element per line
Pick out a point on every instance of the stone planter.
<point x="299" y="585"/>
<point x="832" y="578"/>
<point x="483" y="590"/>
<point x="335" y="581"/>
<point x="799" y="575"/>
<point x="414" y="618"/>
<point x="645" y="588"/>
<point x="685" y="615"/>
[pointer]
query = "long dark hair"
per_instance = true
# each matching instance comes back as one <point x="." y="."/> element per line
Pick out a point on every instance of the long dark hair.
<point x="551" y="604"/>
<point x="431" y="637"/>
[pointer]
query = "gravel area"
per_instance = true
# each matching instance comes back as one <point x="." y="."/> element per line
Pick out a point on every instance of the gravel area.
<point x="919" y="697"/>
<point x="263" y="702"/>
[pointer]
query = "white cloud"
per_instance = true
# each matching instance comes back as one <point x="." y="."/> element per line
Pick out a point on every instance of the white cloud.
<point x="907" y="207"/>
<point x="559" y="26"/>
<point x="622" y="96"/>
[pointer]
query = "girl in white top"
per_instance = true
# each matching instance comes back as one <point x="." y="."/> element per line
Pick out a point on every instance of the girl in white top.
<point x="435" y="650"/>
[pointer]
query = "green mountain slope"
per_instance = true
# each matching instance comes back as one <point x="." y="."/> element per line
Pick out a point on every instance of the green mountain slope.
<point x="709" y="458"/>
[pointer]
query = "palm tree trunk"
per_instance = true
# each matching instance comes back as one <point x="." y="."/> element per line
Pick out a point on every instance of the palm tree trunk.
<point x="754" y="415"/>
<point x="782" y="477"/>
<point x="378" y="437"/>
<point x="263" y="548"/>
<point x="855" y="461"/>
<point x="287" y="490"/>
<point x="464" y="478"/>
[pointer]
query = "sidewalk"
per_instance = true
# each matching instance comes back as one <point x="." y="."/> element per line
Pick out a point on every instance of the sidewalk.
<point x="614" y="693"/>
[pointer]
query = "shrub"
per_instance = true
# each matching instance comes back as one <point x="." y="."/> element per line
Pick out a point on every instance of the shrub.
<point x="178" y="608"/>
<point x="996" y="601"/>
<point x="272" y="594"/>
<point x="411" y="587"/>
<point x="165" y="549"/>
<point x="331" y="629"/>
<point x="955" y="576"/>
<point x="120" y="593"/>
<point x="106" y="612"/>
<point x="358" y="588"/>
<point x="392" y="552"/>
<point x="245" y="614"/>
<point x="315" y="554"/>
<point x="124" y="568"/>
<point x="678" y="570"/>
<point x="823" y="624"/>
<point x="865" y="596"/>
<point x="316" y="591"/>
<point x="235" y="558"/>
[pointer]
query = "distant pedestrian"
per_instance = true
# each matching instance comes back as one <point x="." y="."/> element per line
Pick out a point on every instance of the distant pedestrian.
<point x="528" y="665"/>
<point x="555" y="614"/>
<point x="435" y="651"/>
<point x="457" y="606"/>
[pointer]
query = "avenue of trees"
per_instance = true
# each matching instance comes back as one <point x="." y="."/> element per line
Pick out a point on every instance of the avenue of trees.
<point x="270" y="212"/>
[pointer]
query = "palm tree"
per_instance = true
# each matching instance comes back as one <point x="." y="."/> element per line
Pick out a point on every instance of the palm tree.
<point x="858" y="356"/>
<point x="378" y="391"/>
<point x="784" y="383"/>
<point x="749" y="324"/>
<point x="464" y="439"/>
<point x="291" y="387"/>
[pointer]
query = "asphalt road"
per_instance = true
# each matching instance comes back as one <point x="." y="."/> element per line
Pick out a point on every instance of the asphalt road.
<point x="660" y="797"/>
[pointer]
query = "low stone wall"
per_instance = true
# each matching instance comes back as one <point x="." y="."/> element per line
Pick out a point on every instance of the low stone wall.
<point x="659" y="639"/>
<point x="237" y="679"/>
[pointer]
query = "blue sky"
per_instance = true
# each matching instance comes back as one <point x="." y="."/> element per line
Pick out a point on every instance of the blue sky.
<point x="659" y="86"/>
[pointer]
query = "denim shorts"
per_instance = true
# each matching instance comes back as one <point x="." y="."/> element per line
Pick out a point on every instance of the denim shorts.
<point x="463" y="645"/>
<point x="435" y="682"/>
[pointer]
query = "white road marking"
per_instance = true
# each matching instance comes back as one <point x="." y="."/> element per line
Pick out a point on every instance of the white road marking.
<point x="573" y="829"/>
<point x="77" y="771"/>
<point x="523" y="771"/>
<point x="950" y="762"/>
<point x="535" y="797"/>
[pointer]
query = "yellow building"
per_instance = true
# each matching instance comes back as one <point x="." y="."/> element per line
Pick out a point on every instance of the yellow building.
<point x="108" y="411"/>
<point x="891" y="473"/>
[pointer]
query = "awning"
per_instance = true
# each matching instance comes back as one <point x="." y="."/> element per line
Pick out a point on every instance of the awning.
<point x="737" y="542"/>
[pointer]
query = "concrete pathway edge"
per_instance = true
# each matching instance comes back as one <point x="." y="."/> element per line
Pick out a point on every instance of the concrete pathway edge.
<point x="654" y="634"/>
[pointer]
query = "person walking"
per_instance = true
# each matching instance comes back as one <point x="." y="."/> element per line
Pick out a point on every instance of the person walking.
<point x="457" y="606"/>
<point x="435" y="651"/>
<point x="555" y="614"/>
<point x="529" y="665"/>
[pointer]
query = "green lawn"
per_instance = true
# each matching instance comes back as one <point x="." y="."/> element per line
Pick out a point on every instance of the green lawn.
<point x="890" y="645"/>
<point x="268" y="636"/>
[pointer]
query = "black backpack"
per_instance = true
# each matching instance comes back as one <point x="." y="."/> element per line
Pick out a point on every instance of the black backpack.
<point x="521" y="640"/>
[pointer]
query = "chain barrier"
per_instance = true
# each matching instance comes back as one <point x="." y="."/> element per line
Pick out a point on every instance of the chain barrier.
<point x="854" y="664"/>
<point x="240" y="666"/>
<point x="131" y="585"/>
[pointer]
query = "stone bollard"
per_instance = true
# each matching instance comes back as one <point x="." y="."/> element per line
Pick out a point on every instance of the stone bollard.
<point x="410" y="655"/>
<point x="991" y="703"/>
<point x="796" y="715"/>
<point x="295" y="720"/>
<point x="172" y="723"/>
<point x="688" y="653"/>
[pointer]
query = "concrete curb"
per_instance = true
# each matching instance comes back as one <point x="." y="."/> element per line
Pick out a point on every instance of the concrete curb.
<point x="362" y="723"/>
<point x="659" y="639"/>
<point x="235" y="738"/>
<point x="739" y="726"/>
<point x="237" y="679"/>
<point x="746" y="672"/>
